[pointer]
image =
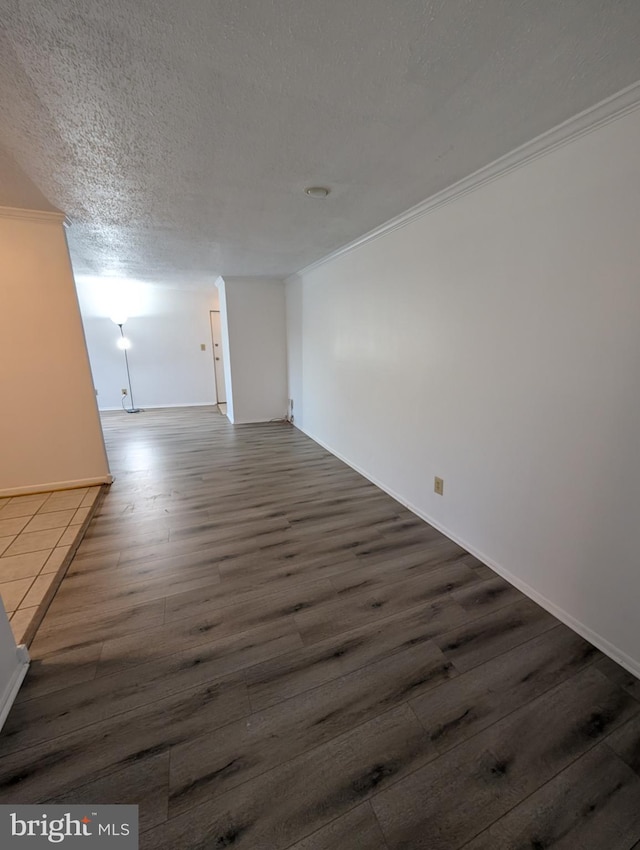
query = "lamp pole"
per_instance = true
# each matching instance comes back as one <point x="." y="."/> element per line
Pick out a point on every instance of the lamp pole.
<point x="133" y="408"/>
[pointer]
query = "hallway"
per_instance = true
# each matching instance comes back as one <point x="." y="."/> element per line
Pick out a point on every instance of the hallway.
<point x="263" y="650"/>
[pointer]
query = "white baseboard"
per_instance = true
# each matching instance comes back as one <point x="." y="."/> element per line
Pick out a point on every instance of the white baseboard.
<point x="620" y="657"/>
<point x="275" y="420"/>
<point x="13" y="686"/>
<point x="161" y="406"/>
<point x="56" y="485"/>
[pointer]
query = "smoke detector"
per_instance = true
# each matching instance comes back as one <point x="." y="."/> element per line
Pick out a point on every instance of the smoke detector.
<point x="317" y="191"/>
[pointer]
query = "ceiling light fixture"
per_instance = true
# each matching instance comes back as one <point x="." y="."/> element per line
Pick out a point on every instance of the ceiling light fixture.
<point x="317" y="191"/>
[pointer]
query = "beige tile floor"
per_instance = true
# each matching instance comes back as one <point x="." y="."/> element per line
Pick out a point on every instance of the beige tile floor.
<point x="38" y="535"/>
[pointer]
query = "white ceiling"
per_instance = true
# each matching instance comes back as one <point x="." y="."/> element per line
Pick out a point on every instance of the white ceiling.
<point x="178" y="135"/>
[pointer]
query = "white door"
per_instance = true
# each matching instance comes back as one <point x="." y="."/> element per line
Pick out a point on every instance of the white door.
<point x="218" y="362"/>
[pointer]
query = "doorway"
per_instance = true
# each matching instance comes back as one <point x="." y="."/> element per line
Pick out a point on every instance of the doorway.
<point x="218" y="360"/>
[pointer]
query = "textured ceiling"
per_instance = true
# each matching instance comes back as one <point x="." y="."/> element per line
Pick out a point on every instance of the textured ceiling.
<point x="178" y="135"/>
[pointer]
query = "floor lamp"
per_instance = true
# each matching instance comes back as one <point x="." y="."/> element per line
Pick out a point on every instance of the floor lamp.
<point x="123" y="344"/>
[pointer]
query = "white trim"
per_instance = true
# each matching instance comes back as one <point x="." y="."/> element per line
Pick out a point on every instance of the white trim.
<point x="13" y="686"/>
<point x="160" y="406"/>
<point x="33" y="215"/>
<point x="274" y="420"/>
<point x="624" y="660"/>
<point x="584" y="122"/>
<point x="56" y="485"/>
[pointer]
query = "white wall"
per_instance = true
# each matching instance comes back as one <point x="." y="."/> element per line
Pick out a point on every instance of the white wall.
<point x="495" y="342"/>
<point x="166" y="328"/>
<point x="254" y="330"/>
<point x="50" y="433"/>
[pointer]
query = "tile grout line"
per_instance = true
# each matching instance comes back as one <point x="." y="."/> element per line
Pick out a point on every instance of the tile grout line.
<point x="28" y="627"/>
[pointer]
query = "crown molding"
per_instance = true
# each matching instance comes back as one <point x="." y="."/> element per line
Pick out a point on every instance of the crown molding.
<point x="591" y="119"/>
<point x="32" y="215"/>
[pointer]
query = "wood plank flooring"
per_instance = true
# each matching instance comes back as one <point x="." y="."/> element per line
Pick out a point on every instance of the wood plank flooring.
<point x="264" y="651"/>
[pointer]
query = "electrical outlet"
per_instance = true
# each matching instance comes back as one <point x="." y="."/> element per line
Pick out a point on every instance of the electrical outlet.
<point x="438" y="486"/>
<point x="124" y="391"/>
<point x="203" y="347"/>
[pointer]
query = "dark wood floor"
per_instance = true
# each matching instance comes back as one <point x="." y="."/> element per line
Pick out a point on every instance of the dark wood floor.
<point x="265" y="651"/>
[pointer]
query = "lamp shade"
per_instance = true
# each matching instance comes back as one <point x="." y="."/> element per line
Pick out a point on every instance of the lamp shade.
<point x="119" y="318"/>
